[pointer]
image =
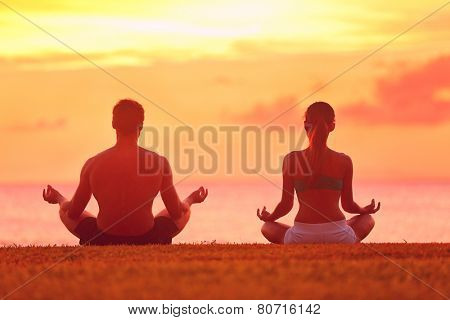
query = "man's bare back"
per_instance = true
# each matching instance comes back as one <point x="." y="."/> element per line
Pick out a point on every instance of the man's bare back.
<point x="123" y="191"/>
<point x="125" y="180"/>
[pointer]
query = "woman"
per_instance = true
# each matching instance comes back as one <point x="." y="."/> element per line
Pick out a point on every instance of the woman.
<point x="320" y="177"/>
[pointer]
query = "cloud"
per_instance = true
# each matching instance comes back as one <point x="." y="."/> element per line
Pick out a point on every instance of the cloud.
<point x="69" y="60"/>
<point x="262" y="113"/>
<point x="37" y="126"/>
<point x="223" y="80"/>
<point x="419" y="96"/>
<point x="415" y="96"/>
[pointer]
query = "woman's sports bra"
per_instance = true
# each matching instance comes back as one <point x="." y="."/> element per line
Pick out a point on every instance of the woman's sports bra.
<point x="322" y="182"/>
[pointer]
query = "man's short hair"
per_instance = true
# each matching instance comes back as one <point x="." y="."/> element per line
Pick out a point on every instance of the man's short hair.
<point x="128" y="116"/>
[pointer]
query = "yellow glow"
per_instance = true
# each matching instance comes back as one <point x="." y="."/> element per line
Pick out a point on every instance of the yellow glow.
<point x="183" y="30"/>
<point x="204" y="62"/>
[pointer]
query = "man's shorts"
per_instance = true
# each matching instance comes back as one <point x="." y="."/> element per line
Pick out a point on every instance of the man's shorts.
<point x="162" y="232"/>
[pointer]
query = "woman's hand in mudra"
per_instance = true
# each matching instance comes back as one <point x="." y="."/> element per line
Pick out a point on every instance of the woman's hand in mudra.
<point x="370" y="209"/>
<point x="263" y="215"/>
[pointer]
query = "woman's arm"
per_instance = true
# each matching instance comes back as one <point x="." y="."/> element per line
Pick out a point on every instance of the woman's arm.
<point x="287" y="197"/>
<point x="347" y="201"/>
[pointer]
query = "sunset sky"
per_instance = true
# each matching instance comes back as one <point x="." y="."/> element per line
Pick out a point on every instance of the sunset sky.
<point x="224" y="62"/>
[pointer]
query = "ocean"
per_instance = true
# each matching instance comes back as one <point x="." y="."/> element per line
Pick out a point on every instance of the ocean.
<point x="411" y="212"/>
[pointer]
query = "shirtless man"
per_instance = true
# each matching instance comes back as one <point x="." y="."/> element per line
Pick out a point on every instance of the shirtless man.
<point x="125" y="180"/>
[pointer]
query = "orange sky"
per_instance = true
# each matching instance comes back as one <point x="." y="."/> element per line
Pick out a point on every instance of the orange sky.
<point x="225" y="62"/>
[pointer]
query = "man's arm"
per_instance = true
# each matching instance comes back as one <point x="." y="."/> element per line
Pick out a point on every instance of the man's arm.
<point x="169" y="195"/>
<point x="82" y="195"/>
<point x="76" y="206"/>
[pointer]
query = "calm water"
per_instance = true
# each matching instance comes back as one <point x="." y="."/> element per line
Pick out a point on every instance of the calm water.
<point x="410" y="212"/>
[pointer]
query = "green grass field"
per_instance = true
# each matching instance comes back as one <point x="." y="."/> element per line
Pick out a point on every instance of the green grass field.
<point x="228" y="272"/>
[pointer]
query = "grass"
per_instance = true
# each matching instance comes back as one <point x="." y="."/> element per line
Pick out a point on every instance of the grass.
<point x="228" y="272"/>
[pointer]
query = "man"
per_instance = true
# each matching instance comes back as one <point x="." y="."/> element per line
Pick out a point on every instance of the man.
<point x="125" y="180"/>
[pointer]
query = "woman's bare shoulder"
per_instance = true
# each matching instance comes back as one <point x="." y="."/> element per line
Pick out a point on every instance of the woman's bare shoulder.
<point x="294" y="154"/>
<point x="342" y="156"/>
